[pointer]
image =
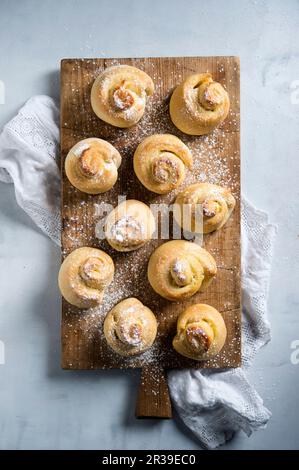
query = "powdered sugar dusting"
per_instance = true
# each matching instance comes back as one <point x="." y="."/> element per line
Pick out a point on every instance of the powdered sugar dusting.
<point x="127" y="229"/>
<point x="179" y="268"/>
<point x="215" y="160"/>
<point x="80" y="149"/>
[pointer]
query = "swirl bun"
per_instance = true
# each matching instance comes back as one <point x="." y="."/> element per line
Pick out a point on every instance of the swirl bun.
<point x="129" y="226"/>
<point x="119" y="95"/>
<point x="130" y="328"/>
<point x="178" y="269"/>
<point x="91" y="165"/>
<point x="84" y="275"/>
<point x="201" y="332"/>
<point x="160" y="162"/>
<point x="198" y="105"/>
<point x="217" y="204"/>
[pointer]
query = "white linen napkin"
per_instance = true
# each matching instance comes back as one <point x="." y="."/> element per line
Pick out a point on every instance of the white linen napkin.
<point x="212" y="404"/>
<point x="29" y="152"/>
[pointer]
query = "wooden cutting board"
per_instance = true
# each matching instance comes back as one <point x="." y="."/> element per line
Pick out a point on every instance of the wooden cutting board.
<point x="216" y="159"/>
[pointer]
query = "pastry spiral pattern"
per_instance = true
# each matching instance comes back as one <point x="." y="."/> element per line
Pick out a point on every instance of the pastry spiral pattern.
<point x="160" y="162"/>
<point x="201" y="332"/>
<point x="119" y="95"/>
<point x="178" y="269"/>
<point x="130" y="328"/>
<point x="84" y="275"/>
<point x="199" y="104"/>
<point x="203" y="207"/>
<point x="91" y="165"/>
<point x="129" y="226"/>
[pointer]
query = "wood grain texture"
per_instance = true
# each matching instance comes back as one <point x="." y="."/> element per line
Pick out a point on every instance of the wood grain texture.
<point x="217" y="160"/>
<point x="153" y="396"/>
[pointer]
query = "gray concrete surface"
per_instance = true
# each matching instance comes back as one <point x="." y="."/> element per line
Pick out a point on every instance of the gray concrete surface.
<point x="44" y="407"/>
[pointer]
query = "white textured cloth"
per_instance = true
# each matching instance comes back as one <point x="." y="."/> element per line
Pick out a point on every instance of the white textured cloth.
<point x="213" y="404"/>
<point x="29" y="152"/>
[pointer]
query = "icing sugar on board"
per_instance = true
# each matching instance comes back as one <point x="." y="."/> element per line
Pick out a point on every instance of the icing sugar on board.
<point x="216" y="159"/>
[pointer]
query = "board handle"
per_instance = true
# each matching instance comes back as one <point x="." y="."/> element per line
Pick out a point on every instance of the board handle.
<point x="153" y="397"/>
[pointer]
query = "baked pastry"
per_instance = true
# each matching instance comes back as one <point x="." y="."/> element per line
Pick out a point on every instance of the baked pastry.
<point x="160" y="162"/>
<point x="91" y="165"/>
<point x="178" y="269"/>
<point x="201" y="332"/>
<point x="119" y="95"/>
<point x="203" y="207"/>
<point x="129" y="226"/>
<point x="84" y="275"/>
<point x="130" y="328"/>
<point x="199" y="104"/>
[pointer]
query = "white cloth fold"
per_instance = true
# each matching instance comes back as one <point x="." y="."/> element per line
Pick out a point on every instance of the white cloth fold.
<point x="212" y="404"/>
<point x="29" y="152"/>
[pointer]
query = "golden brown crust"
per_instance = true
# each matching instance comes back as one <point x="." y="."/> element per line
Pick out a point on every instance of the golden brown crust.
<point x="201" y="332"/>
<point x="130" y="328"/>
<point x="129" y="226"/>
<point x="119" y="95"/>
<point x="84" y="275"/>
<point x="160" y="162"/>
<point x="203" y="207"/>
<point x="178" y="269"/>
<point x="199" y="104"/>
<point x="91" y="165"/>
